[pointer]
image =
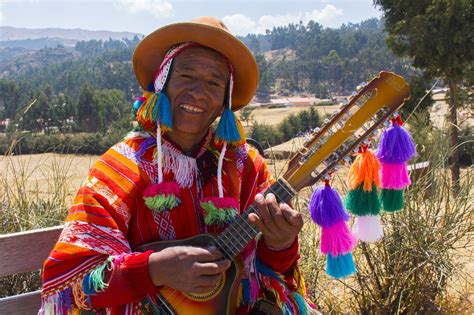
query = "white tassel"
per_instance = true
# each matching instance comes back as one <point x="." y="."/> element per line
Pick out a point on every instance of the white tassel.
<point x="159" y="158"/>
<point x="368" y="228"/>
<point x="219" y="170"/>
<point x="184" y="168"/>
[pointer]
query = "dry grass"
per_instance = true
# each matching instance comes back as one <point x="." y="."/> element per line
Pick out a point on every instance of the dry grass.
<point x="273" y="116"/>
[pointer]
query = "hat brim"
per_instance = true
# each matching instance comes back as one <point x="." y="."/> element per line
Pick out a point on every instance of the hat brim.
<point x="150" y="52"/>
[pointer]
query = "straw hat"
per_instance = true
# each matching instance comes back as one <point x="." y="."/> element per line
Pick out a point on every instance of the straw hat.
<point x="207" y="31"/>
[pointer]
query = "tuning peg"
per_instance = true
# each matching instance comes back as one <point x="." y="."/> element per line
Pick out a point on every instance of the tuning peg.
<point x="386" y="124"/>
<point x="366" y="141"/>
<point x="347" y="159"/>
<point x="395" y="115"/>
<point x="375" y="132"/>
<point x="326" y="120"/>
<point x="327" y="176"/>
<point x="361" y="86"/>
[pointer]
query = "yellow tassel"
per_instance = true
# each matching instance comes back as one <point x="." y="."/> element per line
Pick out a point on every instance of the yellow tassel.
<point x="239" y="294"/>
<point x="300" y="284"/>
<point x="79" y="297"/>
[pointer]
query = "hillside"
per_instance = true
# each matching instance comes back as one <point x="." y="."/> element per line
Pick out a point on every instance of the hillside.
<point x="52" y="37"/>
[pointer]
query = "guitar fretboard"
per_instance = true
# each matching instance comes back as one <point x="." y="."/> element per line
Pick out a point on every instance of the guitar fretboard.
<point x="240" y="232"/>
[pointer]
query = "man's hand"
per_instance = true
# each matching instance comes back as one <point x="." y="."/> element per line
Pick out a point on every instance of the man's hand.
<point x="279" y="223"/>
<point x="187" y="269"/>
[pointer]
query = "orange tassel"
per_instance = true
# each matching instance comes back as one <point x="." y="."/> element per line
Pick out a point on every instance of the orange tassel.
<point x="365" y="169"/>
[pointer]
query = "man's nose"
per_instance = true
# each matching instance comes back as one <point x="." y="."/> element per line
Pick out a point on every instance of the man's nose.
<point x="197" y="89"/>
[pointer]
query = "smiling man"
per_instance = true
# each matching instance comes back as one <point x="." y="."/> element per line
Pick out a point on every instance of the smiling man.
<point x="130" y="244"/>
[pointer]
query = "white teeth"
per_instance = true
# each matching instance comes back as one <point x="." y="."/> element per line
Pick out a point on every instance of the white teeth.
<point x="191" y="108"/>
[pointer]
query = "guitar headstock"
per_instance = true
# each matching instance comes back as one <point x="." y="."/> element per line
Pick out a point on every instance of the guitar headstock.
<point x="357" y="120"/>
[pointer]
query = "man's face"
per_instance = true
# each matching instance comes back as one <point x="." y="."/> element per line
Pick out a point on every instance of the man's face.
<point x="196" y="88"/>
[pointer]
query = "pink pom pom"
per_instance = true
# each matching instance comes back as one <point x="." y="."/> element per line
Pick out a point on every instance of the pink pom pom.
<point x="337" y="239"/>
<point x="164" y="188"/>
<point x="394" y="176"/>
<point x="222" y="203"/>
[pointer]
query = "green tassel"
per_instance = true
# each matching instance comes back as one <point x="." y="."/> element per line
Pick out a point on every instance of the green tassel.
<point x="392" y="200"/>
<point x="97" y="275"/>
<point x="162" y="202"/>
<point x="214" y="215"/>
<point x="360" y="202"/>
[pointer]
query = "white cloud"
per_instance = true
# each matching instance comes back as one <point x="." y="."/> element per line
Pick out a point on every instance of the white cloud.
<point x="159" y="8"/>
<point x="242" y="25"/>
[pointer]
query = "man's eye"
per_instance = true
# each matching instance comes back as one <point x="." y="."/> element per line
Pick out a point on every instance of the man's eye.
<point x="214" y="83"/>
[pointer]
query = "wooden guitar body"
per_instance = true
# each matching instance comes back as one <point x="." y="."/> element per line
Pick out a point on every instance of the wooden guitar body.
<point x="222" y="300"/>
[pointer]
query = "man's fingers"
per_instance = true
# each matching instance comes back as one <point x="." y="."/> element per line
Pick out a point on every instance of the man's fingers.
<point x="256" y="221"/>
<point x="206" y="254"/>
<point x="293" y="217"/>
<point x="213" y="268"/>
<point x="275" y="211"/>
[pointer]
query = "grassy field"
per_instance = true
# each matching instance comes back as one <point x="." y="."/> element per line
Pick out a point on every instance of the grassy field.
<point x="272" y="116"/>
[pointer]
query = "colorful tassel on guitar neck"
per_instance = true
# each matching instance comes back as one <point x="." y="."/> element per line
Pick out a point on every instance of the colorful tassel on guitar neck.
<point x="364" y="181"/>
<point x="395" y="149"/>
<point x="362" y="199"/>
<point x="337" y="241"/>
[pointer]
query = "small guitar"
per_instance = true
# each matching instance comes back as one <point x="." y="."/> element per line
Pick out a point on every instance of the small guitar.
<point x="365" y="111"/>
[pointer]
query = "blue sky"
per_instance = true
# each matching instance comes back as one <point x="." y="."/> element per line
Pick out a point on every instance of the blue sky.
<point x="144" y="16"/>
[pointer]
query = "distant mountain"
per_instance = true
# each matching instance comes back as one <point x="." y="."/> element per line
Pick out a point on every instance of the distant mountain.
<point x="52" y="37"/>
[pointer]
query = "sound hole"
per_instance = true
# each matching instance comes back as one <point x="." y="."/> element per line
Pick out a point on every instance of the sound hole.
<point x="208" y="295"/>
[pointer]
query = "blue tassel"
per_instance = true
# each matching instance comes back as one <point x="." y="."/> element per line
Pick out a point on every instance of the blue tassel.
<point x="137" y="105"/>
<point x="302" y="307"/>
<point x="228" y="130"/>
<point x="87" y="285"/>
<point x="340" y="266"/>
<point x="245" y="291"/>
<point x="164" y="111"/>
<point x="151" y="87"/>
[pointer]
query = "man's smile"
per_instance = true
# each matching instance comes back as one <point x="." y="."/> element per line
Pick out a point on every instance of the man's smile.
<point x="191" y="108"/>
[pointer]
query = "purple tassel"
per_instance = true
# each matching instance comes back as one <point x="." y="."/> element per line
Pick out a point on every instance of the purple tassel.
<point x="396" y="144"/>
<point x="326" y="207"/>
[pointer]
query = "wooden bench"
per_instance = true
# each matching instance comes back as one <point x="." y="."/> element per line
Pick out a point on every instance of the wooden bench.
<point x="25" y="252"/>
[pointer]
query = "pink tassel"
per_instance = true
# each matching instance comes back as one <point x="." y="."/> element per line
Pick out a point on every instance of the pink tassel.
<point x="394" y="176"/>
<point x="162" y="197"/>
<point x="165" y="188"/>
<point x="337" y="239"/>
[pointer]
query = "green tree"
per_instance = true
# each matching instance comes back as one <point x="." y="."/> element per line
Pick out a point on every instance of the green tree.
<point x="438" y="35"/>
<point x="88" y="110"/>
<point x="245" y="114"/>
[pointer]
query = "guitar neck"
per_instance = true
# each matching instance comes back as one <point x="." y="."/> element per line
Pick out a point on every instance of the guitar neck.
<point x="240" y="232"/>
